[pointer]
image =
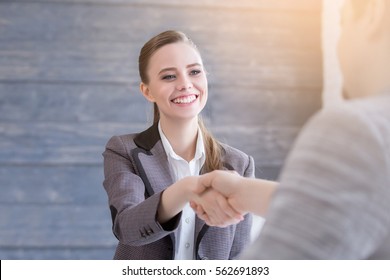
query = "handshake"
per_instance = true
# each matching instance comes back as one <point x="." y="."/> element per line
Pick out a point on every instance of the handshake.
<point x="222" y="198"/>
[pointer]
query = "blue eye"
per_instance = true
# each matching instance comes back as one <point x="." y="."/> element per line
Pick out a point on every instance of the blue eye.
<point x="168" y="77"/>
<point x="195" y="72"/>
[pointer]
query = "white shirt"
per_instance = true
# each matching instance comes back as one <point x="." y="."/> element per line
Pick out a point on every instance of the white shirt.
<point x="180" y="168"/>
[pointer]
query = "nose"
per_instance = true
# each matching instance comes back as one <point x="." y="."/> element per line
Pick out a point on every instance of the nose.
<point x="184" y="83"/>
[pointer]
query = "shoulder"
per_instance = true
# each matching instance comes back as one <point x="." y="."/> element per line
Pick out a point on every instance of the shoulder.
<point x="121" y="144"/>
<point x="146" y="140"/>
<point x="230" y="151"/>
<point x="360" y="120"/>
<point x="122" y="140"/>
<point x="339" y="137"/>
<point x="333" y="118"/>
<point x="362" y="111"/>
<point x="236" y="159"/>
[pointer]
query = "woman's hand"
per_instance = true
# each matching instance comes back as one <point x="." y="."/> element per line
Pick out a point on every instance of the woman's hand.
<point x="214" y="209"/>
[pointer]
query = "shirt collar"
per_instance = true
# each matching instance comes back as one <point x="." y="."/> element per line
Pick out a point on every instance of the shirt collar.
<point x="200" y="153"/>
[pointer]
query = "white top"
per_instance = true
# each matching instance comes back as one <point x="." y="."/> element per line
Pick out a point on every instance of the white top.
<point x="180" y="168"/>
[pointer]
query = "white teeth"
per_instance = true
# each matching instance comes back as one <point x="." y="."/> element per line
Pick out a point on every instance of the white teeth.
<point x="184" y="100"/>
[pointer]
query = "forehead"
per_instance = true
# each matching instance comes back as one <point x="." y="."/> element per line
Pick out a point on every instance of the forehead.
<point x="174" y="55"/>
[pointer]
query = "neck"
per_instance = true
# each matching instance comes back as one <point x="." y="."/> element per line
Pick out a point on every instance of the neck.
<point x="182" y="136"/>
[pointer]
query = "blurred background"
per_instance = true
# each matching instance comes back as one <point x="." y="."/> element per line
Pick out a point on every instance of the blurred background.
<point x="69" y="81"/>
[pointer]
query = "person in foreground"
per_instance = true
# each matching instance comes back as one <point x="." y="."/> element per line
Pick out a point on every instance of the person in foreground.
<point x="333" y="198"/>
<point x="151" y="176"/>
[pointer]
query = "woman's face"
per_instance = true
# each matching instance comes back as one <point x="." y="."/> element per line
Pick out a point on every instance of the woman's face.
<point x="177" y="82"/>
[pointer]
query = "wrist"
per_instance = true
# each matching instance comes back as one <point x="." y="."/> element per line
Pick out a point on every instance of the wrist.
<point x="190" y="187"/>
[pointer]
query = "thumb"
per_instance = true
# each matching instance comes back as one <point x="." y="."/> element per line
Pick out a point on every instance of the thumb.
<point x="203" y="182"/>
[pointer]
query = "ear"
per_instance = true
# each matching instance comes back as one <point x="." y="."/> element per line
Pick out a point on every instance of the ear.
<point x="146" y="92"/>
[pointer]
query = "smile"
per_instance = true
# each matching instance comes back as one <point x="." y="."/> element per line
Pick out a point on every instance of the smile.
<point x="185" y="99"/>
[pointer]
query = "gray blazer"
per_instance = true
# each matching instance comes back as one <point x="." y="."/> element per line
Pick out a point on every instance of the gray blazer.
<point x="334" y="196"/>
<point x="136" y="171"/>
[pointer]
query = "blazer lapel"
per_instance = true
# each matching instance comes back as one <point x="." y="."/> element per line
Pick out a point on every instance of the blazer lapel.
<point x="151" y="160"/>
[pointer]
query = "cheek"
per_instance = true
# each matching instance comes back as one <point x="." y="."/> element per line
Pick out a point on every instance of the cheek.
<point x="204" y="98"/>
<point x="160" y="91"/>
<point x="203" y="86"/>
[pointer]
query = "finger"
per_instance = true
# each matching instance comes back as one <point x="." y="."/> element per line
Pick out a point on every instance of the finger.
<point x="217" y="215"/>
<point x="208" y="222"/>
<point x="210" y="215"/>
<point x="204" y="182"/>
<point x="214" y="205"/>
<point x="228" y="210"/>
<point x="200" y="212"/>
<point x="213" y="220"/>
<point x="197" y="208"/>
<point x="203" y="216"/>
<point x="193" y="205"/>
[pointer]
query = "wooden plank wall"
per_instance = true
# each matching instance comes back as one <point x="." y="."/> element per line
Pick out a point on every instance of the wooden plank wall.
<point x="69" y="81"/>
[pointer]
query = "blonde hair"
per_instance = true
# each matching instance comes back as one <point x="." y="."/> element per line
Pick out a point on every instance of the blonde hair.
<point x="213" y="148"/>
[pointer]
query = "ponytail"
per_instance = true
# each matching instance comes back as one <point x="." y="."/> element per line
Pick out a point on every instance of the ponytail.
<point x="213" y="149"/>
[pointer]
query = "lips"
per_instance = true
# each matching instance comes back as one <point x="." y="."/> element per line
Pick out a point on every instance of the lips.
<point x="187" y="99"/>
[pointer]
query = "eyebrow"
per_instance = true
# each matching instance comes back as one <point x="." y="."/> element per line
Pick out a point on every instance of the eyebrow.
<point x="174" y="68"/>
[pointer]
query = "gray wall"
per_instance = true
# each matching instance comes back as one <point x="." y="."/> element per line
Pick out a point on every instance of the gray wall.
<point x="69" y="81"/>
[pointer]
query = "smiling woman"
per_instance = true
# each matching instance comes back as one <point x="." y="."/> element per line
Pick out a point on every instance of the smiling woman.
<point x="176" y="78"/>
<point x="165" y="47"/>
<point x="151" y="176"/>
